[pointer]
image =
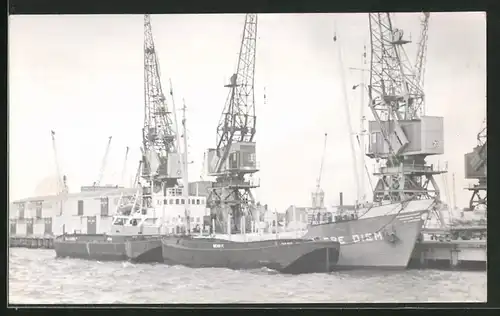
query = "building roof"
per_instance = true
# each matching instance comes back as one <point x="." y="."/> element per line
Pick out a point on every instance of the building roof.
<point x="111" y="191"/>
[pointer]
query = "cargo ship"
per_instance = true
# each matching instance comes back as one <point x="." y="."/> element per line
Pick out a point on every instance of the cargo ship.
<point x="383" y="233"/>
<point x="382" y="236"/>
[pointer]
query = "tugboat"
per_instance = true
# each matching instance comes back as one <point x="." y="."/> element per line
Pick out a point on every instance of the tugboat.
<point x="127" y="224"/>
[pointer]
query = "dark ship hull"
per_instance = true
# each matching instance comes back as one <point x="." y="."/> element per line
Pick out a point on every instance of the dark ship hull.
<point x="292" y="256"/>
<point x="385" y="241"/>
<point x="91" y="247"/>
<point x="105" y="248"/>
<point x="144" y="249"/>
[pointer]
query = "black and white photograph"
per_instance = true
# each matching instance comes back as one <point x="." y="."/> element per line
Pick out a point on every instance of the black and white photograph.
<point x="247" y="158"/>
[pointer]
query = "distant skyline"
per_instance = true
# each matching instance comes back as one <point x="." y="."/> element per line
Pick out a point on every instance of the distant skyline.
<point x="82" y="76"/>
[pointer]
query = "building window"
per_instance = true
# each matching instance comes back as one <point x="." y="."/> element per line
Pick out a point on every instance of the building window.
<point x="198" y="201"/>
<point x="176" y="201"/>
<point x="193" y="201"/>
<point x="182" y="201"/>
<point x="80" y="207"/>
<point x="38" y="207"/>
<point x="171" y="201"/>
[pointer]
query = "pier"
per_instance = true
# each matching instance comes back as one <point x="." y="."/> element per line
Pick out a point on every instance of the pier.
<point x="32" y="242"/>
<point x="450" y="254"/>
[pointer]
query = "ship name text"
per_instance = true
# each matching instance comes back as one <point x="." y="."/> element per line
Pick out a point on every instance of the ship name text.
<point x="357" y="238"/>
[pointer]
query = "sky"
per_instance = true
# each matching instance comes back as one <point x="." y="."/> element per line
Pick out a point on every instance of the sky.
<point x="82" y="76"/>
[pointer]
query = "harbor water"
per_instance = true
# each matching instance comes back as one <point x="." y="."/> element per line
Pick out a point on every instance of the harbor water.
<point x="37" y="277"/>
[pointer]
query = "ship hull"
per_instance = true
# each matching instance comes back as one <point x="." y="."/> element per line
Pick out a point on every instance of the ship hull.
<point x="109" y="248"/>
<point x="90" y="247"/>
<point x="382" y="242"/>
<point x="286" y="256"/>
<point x="144" y="250"/>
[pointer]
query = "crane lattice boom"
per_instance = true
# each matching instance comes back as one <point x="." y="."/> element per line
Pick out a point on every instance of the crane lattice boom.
<point x="237" y="123"/>
<point x="158" y="131"/>
<point x="422" y="49"/>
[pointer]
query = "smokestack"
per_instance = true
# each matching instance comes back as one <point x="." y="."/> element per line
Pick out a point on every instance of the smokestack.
<point x="341" y="199"/>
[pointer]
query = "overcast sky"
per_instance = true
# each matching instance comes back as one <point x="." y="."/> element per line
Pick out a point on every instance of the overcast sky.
<point x="82" y="76"/>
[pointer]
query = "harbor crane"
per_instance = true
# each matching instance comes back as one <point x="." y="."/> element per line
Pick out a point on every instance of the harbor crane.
<point x="161" y="160"/>
<point x="103" y="163"/>
<point x="233" y="161"/>
<point x="400" y="134"/>
<point x="422" y="52"/>
<point x="475" y="168"/>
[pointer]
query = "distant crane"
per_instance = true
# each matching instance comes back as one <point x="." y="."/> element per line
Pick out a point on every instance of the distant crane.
<point x="124" y="168"/>
<point x="61" y="179"/>
<point x="103" y="163"/>
<point x="318" y="196"/>
<point x="234" y="158"/>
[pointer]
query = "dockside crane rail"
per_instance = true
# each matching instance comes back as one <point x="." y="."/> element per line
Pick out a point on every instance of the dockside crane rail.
<point x="160" y="149"/>
<point x="103" y="162"/>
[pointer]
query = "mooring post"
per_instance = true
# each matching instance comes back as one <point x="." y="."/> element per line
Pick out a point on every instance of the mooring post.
<point x="454" y="258"/>
<point x="423" y="258"/>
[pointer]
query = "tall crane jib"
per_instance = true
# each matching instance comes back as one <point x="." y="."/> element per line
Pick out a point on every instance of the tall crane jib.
<point x="400" y="134"/>
<point x="160" y="153"/>
<point x="233" y="161"/>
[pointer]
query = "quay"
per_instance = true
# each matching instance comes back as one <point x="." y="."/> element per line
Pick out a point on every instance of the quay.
<point x="46" y="242"/>
<point x="450" y="254"/>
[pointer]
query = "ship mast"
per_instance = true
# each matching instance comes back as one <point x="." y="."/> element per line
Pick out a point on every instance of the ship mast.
<point x="185" y="179"/>
<point x="396" y="102"/>
<point x="160" y="152"/>
<point x="233" y="161"/>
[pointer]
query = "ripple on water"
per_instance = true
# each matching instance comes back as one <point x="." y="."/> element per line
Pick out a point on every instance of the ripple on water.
<point x="36" y="276"/>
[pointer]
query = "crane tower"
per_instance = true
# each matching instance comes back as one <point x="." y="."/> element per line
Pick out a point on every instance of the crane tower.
<point x="233" y="161"/>
<point x="401" y="134"/>
<point x="161" y="160"/>
<point x="475" y="168"/>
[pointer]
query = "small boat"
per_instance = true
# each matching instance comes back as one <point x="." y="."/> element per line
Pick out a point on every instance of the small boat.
<point x="127" y="225"/>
